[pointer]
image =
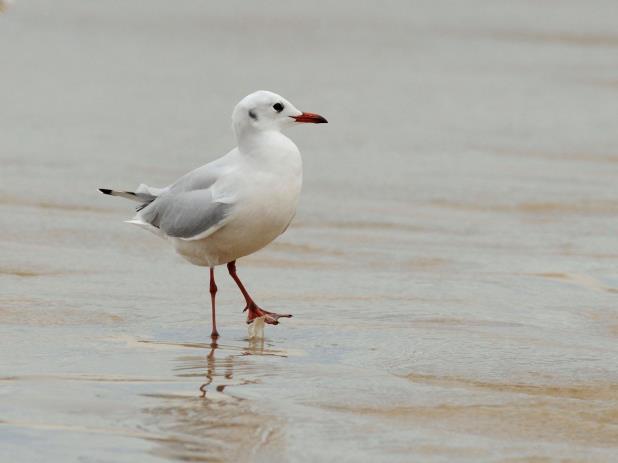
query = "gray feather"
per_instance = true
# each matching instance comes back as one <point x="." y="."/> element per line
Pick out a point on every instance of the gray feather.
<point x="137" y="196"/>
<point x="185" y="214"/>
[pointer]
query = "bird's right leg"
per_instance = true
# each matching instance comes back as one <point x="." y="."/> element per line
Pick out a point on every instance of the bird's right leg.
<point x="254" y="310"/>
<point x="213" y="293"/>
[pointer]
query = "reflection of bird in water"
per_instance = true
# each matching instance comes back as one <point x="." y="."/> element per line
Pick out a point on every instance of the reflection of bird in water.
<point x="211" y="367"/>
<point x="237" y="204"/>
<point x="220" y="425"/>
<point x="254" y="347"/>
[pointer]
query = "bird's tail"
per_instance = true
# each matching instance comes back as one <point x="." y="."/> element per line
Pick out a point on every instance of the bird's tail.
<point x="124" y="194"/>
<point x="144" y="195"/>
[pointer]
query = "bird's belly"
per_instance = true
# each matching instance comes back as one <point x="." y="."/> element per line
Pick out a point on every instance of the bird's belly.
<point x="254" y="226"/>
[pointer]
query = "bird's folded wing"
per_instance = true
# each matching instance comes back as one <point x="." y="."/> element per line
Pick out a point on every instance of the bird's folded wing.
<point x="189" y="215"/>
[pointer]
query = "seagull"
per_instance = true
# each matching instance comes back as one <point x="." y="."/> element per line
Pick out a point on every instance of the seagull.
<point x="237" y="204"/>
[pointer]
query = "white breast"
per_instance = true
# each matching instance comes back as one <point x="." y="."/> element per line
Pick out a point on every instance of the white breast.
<point x="264" y="187"/>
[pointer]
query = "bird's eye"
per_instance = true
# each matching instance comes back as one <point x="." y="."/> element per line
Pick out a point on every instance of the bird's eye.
<point x="278" y="107"/>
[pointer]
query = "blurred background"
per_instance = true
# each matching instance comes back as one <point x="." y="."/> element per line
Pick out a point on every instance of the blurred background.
<point x="451" y="269"/>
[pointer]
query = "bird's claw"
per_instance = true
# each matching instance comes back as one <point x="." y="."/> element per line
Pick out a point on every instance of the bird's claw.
<point x="271" y="318"/>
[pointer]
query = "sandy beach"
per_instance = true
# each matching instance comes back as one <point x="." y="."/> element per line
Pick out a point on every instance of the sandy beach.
<point x="452" y="269"/>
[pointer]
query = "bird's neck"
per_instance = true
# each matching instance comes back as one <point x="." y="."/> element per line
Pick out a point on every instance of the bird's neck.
<point x="259" y="143"/>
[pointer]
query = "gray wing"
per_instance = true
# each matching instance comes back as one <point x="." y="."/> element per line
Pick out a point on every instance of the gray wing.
<point x="186" y="214"/>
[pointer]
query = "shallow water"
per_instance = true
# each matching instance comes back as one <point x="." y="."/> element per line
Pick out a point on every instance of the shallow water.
<point x="452" y="267"/>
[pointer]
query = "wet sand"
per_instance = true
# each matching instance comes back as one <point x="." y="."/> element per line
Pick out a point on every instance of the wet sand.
<point x="451" y="270"/>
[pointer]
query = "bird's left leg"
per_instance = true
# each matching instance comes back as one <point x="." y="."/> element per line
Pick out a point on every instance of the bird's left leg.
<point x="213" y="292"/>
<point x="254" y="310"/>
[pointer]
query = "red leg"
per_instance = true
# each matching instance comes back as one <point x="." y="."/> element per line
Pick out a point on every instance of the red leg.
<point x="213" y="292"/>
<point x="254" y="310"/>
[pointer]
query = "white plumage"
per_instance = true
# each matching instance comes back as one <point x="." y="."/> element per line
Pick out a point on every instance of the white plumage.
<point x="239" y="203"/>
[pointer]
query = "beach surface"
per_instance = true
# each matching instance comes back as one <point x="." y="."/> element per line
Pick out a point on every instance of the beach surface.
<point x="452" y="268"/>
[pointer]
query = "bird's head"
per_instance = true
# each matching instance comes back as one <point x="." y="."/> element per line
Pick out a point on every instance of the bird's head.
<point x="264" y="110"/>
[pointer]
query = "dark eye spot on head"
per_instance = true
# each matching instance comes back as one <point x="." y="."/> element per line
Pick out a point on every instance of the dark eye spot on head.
<point x="252" y="115"/>
<point x="278" y="107"/>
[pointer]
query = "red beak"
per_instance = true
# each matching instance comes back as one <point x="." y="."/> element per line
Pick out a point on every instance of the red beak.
<point x="310" y="117"/>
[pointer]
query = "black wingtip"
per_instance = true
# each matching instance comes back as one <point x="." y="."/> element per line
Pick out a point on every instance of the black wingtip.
<point x="105" y="191"/>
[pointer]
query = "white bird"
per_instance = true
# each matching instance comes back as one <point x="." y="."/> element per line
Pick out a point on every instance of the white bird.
<point x="237" y="204"/>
